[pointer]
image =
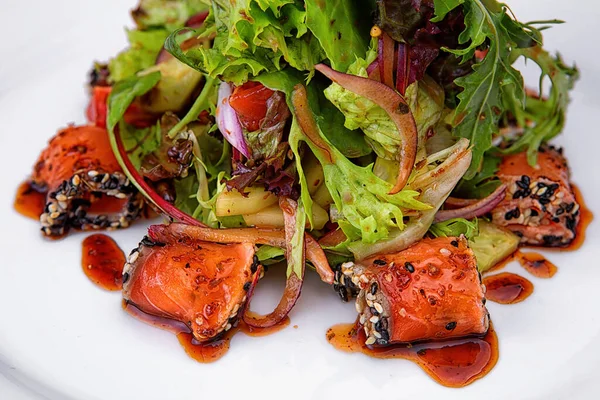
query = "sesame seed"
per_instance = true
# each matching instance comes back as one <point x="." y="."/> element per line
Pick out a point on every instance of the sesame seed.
<point x="445" y="251"/>
<point x="370" y="340"/>
<point x="378" y="307"/>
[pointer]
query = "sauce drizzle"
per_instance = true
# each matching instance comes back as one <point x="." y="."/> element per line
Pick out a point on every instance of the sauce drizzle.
<point x="507" y="288"/>
<point x="452" y="363"/>
<point x="535" y="263"/>
<point x="29" y="202"/>
<point x="202" y="352"/>
<point x="102" y="261"/>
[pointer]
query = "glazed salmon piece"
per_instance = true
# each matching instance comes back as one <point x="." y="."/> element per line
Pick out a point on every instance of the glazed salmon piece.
<point x="431" y="290"/>
<point x="85" y="186"/>
<point x="540" y="205"/>
<point x="201" y="284"/>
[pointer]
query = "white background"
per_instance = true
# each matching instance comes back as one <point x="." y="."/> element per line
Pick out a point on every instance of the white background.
<point x="64" y="338"/>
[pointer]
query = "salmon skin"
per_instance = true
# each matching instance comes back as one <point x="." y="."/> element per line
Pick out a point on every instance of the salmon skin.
<point x="540" y="205"/>
<point x="202" y="284"/>
<point x="430" y="291"/>
<point x="84" y="184"/>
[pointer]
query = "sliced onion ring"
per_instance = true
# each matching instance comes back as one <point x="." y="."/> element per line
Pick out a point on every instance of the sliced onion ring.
<point x="293" y="284"/>
<point x="270" y="236"/>
<point x="455" y="202"/>
<point x="228" y="122"/>
<point x="476" y="209"/>
<point x="395" y="106"/>
<point x="385" y="58"/>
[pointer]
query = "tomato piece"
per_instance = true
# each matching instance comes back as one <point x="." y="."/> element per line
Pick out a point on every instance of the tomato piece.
<point x="98" y="108"/>
<point x="250" y="103"/>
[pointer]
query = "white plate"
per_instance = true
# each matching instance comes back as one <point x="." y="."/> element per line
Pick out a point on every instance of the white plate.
<point x="62" y="337"/>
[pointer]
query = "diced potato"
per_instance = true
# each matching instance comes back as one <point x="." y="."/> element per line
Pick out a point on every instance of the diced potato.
<point x="492" y="245"/>
<point x="273" y="217"/>
<point x="234" y="203"/>
<point x="322" y="197"/>
<point x="313" y="171"/>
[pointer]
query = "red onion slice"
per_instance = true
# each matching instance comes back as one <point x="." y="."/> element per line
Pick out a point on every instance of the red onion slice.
<point x="228" y="123"/>
<point x="476" y="209"/>
<point x="394" y="105"/>
<point x="293" y="285"/>
<point x="403" y="68"/>
<point x="386" y="59"/>
<point x="373" y="71"/>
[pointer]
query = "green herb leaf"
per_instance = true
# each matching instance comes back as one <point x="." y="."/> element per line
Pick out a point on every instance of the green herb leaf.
<point x="123" y="94"/>
<point x="546" y="116"/>
<point x="341" y="28"/>
<point x="455" y="227"/>
<point x="170" y="14"/>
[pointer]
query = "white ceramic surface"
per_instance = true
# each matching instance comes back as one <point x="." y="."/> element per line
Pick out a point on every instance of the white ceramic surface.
<point x="63" y="338"/>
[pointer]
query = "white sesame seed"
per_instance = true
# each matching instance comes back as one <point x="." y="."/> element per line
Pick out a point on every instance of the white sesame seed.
<point x="92" y="174"/>
<point x="134" y="256"/>
<point x="402" y="312"/>
<point x="377" y="334"/>
<point x="120" y="195"/>
<point x="364" y="278"/>
<point x="357" y="306"/>
<point x="105" y="178"/>
<point x="378" y="307"/>
<point x="61" y="197"/>
<point x="228" y="326"/>
<point x="370" y="341"/>
<point x="445" y="251"/>
<point x="55" y="215"/>
<point x="374" y="319"/>
<point x="199" y="321"/>
<point x="369" y="296"/>
<point x="76" y="180"/>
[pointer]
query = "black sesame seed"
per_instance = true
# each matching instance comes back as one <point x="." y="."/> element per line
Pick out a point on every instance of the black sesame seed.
<point x="374" y="311"/>
<point x="374" y="288"/>
<point x="450" y="326"/>
<point x="385" y="335"/>
<point x="125" y="277"/>
<point x="246" y="286"/>
<point x="379" y="262"/>
<point x="570" y="206"/>
<point x="544" y="200"/>
<point x="187" y="265"/>
<point x="454" y="243"/>
<point x="409" y="267"/>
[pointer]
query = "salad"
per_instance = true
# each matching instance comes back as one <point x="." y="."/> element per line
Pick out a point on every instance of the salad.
<point x="390" y="146"/>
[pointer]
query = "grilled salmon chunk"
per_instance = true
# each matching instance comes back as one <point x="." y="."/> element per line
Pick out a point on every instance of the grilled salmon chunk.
<point x="540" y="205"/>
<point x="201" y="284"/>
<point x="431" y="290"/>
<point x="84" y="184"/>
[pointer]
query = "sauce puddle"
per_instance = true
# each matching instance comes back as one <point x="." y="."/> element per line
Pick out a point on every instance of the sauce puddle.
<point x="534" y="263"/>
<point x="29" y="202"/>
<point x="453" y="363"/>
<point x="102" y="261"/>
<point x="507" y="288"/>
<point x="202" y="352"/>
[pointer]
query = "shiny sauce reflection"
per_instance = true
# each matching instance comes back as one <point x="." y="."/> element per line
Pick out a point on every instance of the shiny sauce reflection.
<point x="452" y="363"/>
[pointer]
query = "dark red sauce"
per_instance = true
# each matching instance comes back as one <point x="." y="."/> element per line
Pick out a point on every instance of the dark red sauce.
<point x="507" y="288"/>
<point x="29" y="202"/>
<point x="102" y="261"/>
<point x="201" y="352"/>
<point x="452" y="363"/>
<point x="535" y="263"/>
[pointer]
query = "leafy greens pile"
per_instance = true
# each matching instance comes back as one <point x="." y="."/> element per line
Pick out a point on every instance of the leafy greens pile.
<point x="457" y="77"/>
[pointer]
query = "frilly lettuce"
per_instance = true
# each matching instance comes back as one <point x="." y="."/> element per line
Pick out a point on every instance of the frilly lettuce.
<point x="170" y="14"/>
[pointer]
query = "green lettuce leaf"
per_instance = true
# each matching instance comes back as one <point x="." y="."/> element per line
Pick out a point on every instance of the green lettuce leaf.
<point x="455" y="227"/>
<point x="342" y="28"/>
<point x="361" y="113"/>
<point x="170" y="14"/>
<point x="252" y="37"/>
<point x="144" y="47"/>
<point x="123" y="94"/>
